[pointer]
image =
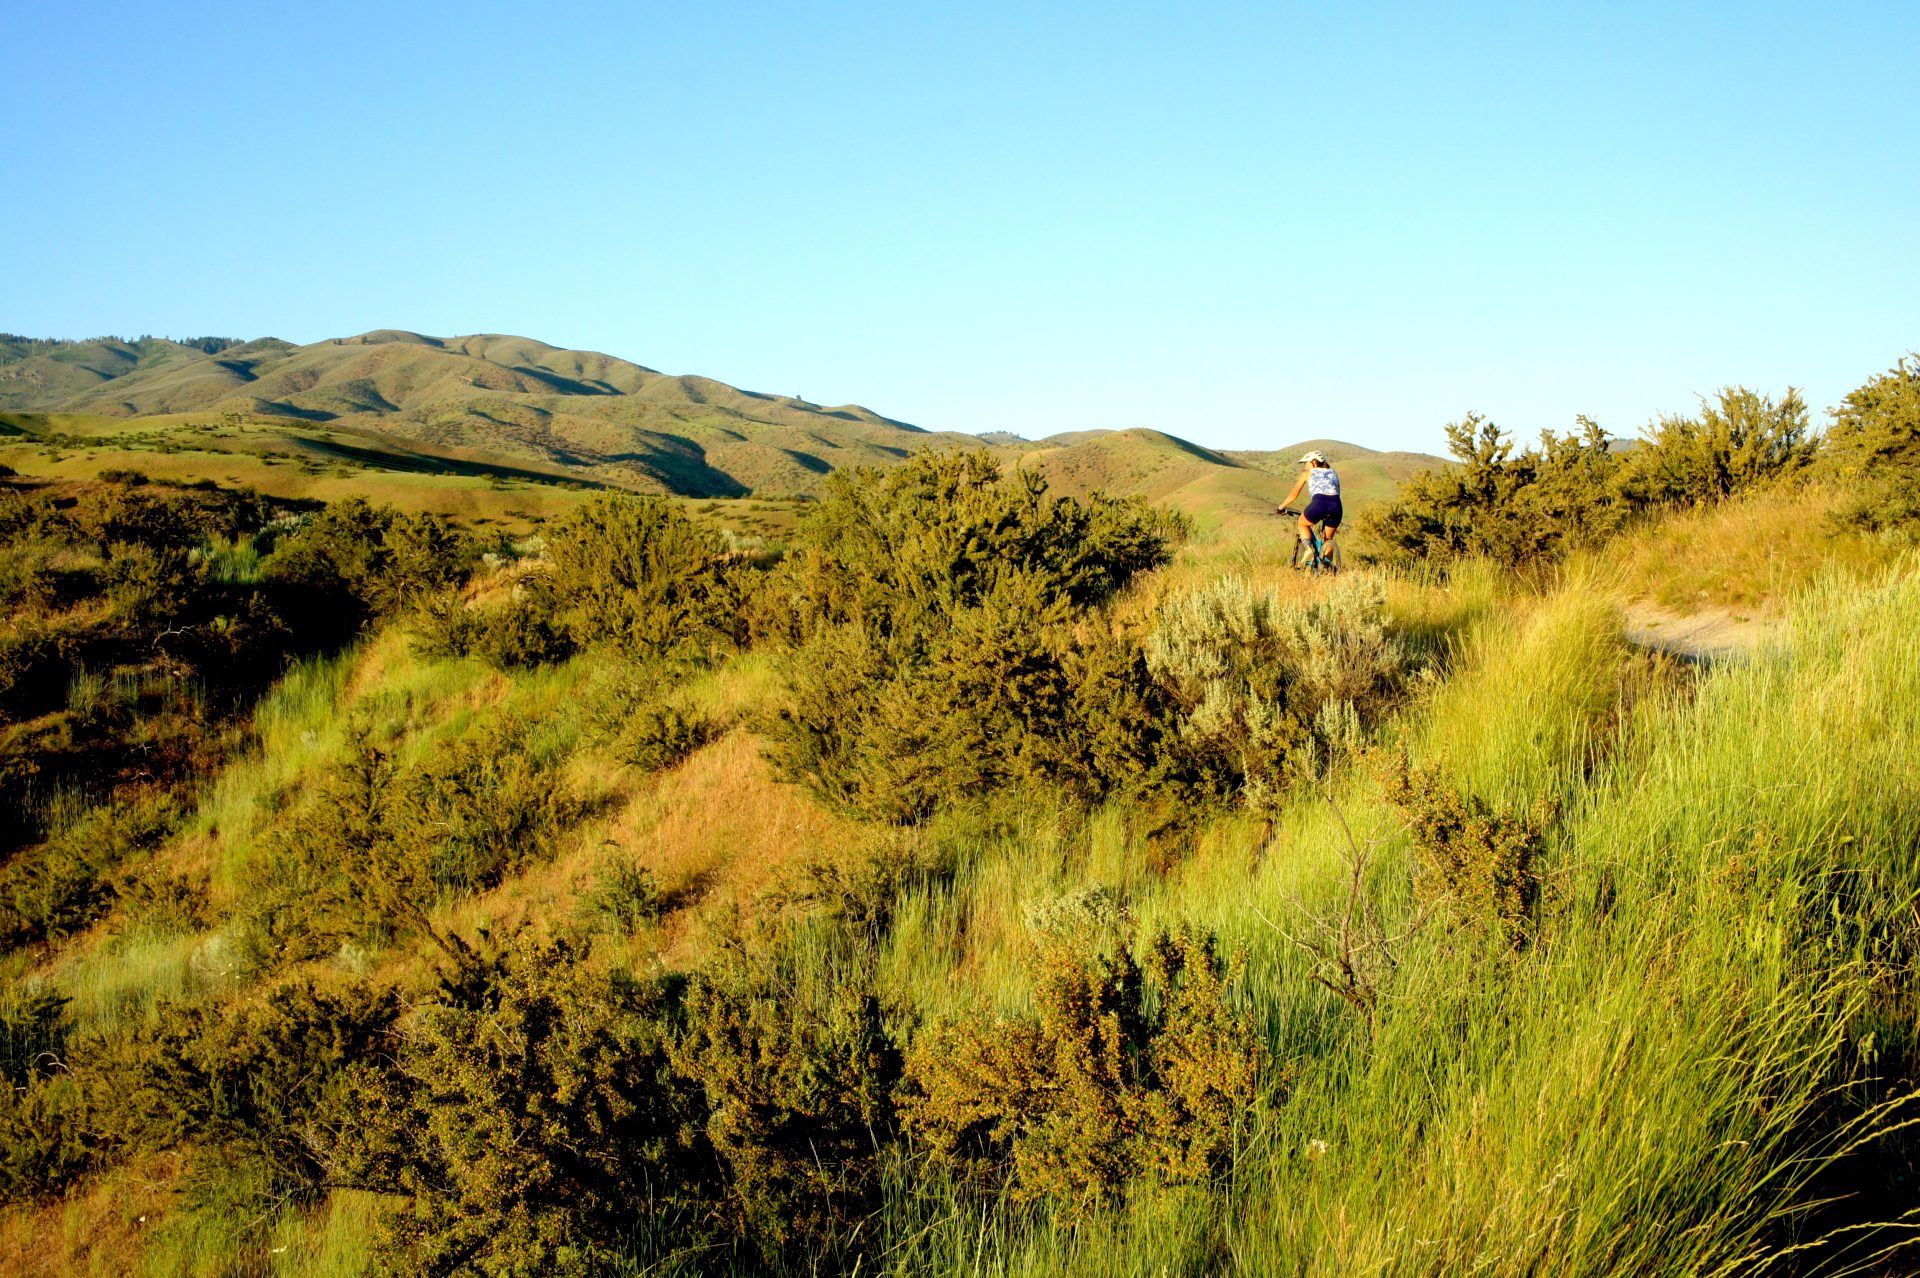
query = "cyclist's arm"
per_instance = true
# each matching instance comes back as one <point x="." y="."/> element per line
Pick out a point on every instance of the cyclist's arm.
<point x="1293" y="496"/>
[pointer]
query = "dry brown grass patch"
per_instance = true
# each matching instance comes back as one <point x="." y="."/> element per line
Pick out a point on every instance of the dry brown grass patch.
<point x="97" y="1228"/>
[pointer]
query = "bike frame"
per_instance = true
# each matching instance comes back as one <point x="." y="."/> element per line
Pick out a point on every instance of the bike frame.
<point x="1318" y="556"/>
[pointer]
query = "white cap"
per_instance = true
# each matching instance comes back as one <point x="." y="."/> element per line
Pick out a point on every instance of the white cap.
<point x="1315" y="456"/>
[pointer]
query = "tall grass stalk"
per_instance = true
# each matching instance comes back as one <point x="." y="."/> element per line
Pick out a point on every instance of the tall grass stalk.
<point x="1646" y="1090"/>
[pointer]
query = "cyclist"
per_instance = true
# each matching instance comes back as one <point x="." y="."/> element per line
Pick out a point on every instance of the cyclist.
<point x="1322" y="483"/>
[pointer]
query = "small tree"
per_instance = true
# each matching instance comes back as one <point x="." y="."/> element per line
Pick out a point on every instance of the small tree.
<point x="1739" y="440"/>
<point x="1873" y="448"/>
<point x="635" y="573"/>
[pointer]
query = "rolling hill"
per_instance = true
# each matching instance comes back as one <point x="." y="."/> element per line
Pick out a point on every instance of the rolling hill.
<point x="394" y="409"/>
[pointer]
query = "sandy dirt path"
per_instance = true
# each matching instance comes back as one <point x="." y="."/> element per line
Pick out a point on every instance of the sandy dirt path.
<point x="1712" y="634"/>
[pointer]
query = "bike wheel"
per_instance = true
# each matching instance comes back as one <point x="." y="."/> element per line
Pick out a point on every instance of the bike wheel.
<point x="1302" y="556"/>
<point x="1330" y="557"/>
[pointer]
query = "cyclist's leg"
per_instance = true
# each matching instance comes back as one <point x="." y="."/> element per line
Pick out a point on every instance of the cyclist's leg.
<point x="1309" y="552"/>
<point x="1329" y="527"/>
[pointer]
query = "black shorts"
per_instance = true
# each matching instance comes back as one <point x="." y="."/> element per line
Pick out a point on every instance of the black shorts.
<point x="1324" y="510"/>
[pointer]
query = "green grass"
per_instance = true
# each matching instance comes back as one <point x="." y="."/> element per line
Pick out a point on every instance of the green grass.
<point x="1653" y="1087"/>
<point x="1639" y="1094"/>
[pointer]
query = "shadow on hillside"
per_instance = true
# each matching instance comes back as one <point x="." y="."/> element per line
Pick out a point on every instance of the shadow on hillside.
<point x="282" y="408"/>
<point x="807" y="461"/>
<point x="682" y="465"/>
<point x="1204" y="454"/>
<point x="420" y="464"/>
<point x="563" y="385"/>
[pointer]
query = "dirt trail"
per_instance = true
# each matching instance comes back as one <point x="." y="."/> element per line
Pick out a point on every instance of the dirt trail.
<point x="1711" y="634"/>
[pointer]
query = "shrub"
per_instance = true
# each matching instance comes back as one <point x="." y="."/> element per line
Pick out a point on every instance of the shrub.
<point x="1575" y="489"/>
<point x="1512" y="507"/>
<point x="355" y="560"/>
<point x="635" y="574"/>
<point x="787" y="1042"/>
<point x="478" y="807"/>
<point x="661" y="735"/>
<point x="1484" y="863"/>
<point x="33" y="1032"/>
<point x="1129" y="1068"/>
<point x="1342" y="653"/>
<point x="273" y="1083"/>
<point x="161" y="902"/>
<point x="1265" y="690"/>
<point x="939" y="533"/>
<point x="857" y="887"/>
<point x="42" y="1145"/>
<point x="897" y="728"/>
<point x="517" y="635"/>
<point x="940" y="613"/>
<point x="534" y="1122"/>
<point x="63" y="884"/>
<point x="1739" y="441"/>
<point x="642" y="714"/>
<point x="377" y="844"/>
<point x="1872" y="450"/>
<point x="33" y="663"/>
<point x="623" y="898"/>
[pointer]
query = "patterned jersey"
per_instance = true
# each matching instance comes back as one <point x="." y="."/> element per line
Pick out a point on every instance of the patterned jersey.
<point x="1323" y="481"/>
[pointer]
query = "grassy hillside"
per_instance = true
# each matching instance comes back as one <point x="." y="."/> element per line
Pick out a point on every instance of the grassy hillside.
<point x="602" y="418"/>
<point x="1230" y="493"/>
<point x="39" y="374"/>
<point x="489" y="405"/>
<point x="1540" y="952"/>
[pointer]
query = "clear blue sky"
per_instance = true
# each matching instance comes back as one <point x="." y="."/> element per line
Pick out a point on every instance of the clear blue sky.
<point x="1245" y="224"/>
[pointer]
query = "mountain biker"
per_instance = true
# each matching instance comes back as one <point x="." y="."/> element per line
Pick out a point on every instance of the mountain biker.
<point x="1322" y="483"/>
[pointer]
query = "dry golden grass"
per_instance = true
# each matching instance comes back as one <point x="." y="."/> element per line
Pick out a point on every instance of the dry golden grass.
<point x="714" y="831"/>
<point x="1746" y="556"/>
<point x="97" y="1229"/>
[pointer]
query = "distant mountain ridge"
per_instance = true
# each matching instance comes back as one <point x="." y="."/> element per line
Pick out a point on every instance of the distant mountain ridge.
<point x="569" y="413"/>
<point x="612" y="420"/>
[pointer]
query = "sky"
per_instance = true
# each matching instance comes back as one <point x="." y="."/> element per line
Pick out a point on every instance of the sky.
<point x="1244" y="224"/>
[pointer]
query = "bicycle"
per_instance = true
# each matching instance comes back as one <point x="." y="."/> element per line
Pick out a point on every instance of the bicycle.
<point x="1311" y="551"/>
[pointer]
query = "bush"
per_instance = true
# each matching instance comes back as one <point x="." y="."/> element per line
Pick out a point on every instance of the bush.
<point x="1512" y="507"/>
<point x="161" y="903"/>
<point x="33" y="1032"/>
<point x="1483" y="863"/>
<point x="378" y="844"/>
<point x="33" y="664"/>
<point x="660" y="736"/>
<point x="891" y="549"/>
<point x="940" y="612"/>
<point x="1739" y="441"/>
<point x="518" y="635"/>
<point x="535" y="1123"/>
<point x="354" y="560"/>
<point x="623" y="898"/>
<point x="42" y="1145"/>
<point x="635" y="574"/>
<point x="1872" y="451"/>
<point x="644" y="717"/>
<point x="897" y="729"/>
<point x="857" y="887"/>
<point x="1575" y="489"/>
<point x="63" y="884"/>
<point x="787" y="1042"/>
<point x="1130" y="1068"/>
<point x="1267" y="690"/>
<point x="274" y="1084"/>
